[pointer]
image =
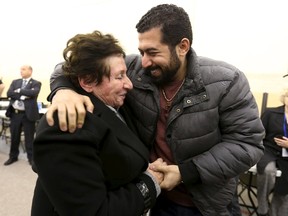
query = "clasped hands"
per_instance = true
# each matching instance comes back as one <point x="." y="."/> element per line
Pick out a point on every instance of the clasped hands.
<point x="168" y="176"/>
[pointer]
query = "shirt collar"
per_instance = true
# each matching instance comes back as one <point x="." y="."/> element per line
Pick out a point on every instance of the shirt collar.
<point x="27" y="80"/>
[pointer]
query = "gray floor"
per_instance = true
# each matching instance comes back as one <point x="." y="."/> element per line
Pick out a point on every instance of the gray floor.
<point x="16" y="184"/>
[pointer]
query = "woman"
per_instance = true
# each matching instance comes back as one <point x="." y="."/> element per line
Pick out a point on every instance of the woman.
<point x="99" y="169"/>
<point x="275" y="156"/>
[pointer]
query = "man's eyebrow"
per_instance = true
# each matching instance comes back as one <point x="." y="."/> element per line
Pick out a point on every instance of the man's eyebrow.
<point x="148" y="50"/>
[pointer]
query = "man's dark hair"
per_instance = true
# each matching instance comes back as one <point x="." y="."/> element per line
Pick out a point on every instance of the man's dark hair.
<point x="173" y="21"/>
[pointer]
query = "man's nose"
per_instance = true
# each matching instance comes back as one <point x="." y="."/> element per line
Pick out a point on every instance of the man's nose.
<point x="146" y="61"/>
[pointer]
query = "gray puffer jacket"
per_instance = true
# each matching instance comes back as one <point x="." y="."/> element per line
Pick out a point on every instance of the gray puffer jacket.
<point x="214" y="129"/>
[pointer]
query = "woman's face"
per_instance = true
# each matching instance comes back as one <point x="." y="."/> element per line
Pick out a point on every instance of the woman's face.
<point x="112" y="91"/>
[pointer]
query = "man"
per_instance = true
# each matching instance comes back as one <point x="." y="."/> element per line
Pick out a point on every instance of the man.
<point x="23" y="112"/>
<point x="196" y="113"/>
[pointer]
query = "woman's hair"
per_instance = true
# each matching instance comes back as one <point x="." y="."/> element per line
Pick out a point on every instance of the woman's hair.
<point x="85" y="56"/>
<point x="283" y="95"/>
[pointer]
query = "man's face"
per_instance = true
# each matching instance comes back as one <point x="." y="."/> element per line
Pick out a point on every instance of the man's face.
<point x="25" y="72"/>
<point x="160" y="63"/>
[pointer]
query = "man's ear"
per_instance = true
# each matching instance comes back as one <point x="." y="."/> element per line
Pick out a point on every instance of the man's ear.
<point x="88" y="87"/>
<point x="184" y="46"/>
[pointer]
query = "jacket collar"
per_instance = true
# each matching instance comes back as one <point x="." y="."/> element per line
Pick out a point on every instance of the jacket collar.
<point x="194" y="80"/>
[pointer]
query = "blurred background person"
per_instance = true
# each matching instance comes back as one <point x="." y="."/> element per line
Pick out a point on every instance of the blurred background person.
<point x="275" y="156"/>
<point x="23" y="112"/>
<point x="2" y="86"/>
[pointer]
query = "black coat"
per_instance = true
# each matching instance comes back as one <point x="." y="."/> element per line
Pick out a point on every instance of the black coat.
<point x="91" y="171"/>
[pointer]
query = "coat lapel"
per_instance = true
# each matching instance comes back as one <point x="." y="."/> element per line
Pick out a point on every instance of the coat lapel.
<point x="121" y="130"/>
<point x="19" y="83"/>
<point x="29" y="84"/>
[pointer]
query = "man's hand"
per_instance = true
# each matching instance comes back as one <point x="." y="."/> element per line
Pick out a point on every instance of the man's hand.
<point x="172" y="176"/>
<point x="71" y="107"/>
<point x="17" y="90"/>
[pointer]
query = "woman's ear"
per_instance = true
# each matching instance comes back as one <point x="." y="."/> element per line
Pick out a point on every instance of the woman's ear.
<point x="88" y="87"/>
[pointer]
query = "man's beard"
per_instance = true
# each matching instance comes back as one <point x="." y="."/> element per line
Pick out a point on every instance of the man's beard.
<point x="168" y="72"/>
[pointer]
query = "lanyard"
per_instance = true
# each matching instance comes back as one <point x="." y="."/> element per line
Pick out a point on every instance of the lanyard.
<point x="284" y="150"/>
<point x="284" y="126"/>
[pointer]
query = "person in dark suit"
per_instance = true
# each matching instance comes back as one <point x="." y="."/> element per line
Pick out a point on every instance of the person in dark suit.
<point x="101" y="168"/>
<point x="23" y="112"/>
<point x="2" y="86"/>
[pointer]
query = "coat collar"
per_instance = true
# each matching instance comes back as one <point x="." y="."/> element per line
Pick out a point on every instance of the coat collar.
<point x="279" y="109"/>
<point x="125" y="133"/>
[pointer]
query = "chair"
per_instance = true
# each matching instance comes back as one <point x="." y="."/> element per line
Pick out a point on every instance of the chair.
<point x="5" y="133"/>
<point x="247" y="190"/>
<point x="4" y="98"/>
<point x="4" y="102"/>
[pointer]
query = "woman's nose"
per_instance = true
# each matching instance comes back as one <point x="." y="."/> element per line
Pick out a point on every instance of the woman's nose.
<point x="128" y="84"/>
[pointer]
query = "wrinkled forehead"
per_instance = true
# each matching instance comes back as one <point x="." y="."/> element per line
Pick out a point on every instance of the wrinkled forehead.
<point x="151" y="39"/>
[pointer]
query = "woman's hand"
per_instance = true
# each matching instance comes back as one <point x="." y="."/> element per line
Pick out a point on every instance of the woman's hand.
<point x="282" y="142"/>
<point x="159" y="176"/>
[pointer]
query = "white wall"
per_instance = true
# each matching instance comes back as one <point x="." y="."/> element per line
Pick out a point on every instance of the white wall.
<point x="251" y="34"/>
